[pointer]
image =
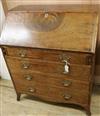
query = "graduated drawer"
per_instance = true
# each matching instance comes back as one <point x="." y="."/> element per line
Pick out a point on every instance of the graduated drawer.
<point x="81" y="72"/>
<point x="54" y="94"/>
<point x="49" y="55"/>
<point x="37" y="79"/>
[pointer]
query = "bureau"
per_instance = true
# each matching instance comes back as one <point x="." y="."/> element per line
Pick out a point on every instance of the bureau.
<point x="50" y="53"/>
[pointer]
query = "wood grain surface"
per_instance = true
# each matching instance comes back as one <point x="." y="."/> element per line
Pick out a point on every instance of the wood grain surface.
<point x="35" y="107"/>
<point x="50" y="55"/>
<point x="37" y="43"/>
<point x="72" y="6"/>
<point x="17" y="65"/>
<point x="80" y="34"/>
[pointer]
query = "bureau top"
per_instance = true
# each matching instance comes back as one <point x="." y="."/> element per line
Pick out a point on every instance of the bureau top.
<point x="50" y="30"/>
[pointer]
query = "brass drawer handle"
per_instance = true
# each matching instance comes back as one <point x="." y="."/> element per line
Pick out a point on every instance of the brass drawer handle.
<point x="66" y="67"/>
<point x="22" y="53"/>
<point x="25" y="65"/>
<point x="67" y="83"/>
<point x="67" y="97"/>
<point x="28" y="77"/>
<point x="64" y="57"/>
<point x="47" y="14"/>
<point x="32" y="90"/>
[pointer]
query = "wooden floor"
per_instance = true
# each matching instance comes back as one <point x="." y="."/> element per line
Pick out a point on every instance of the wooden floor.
<point x="29" y="106"/>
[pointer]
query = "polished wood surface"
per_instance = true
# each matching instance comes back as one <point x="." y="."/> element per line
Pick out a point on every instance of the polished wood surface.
<point x="51" y="55"/>
<point x="34" y="78"/>
<point x="51" y="68"/>
<point x="69" y="6"/>
<point x="55" y="7"/>
<point x="54" y="94"/>
<point x="34" y="106"/>
<point x="80" y="34"/>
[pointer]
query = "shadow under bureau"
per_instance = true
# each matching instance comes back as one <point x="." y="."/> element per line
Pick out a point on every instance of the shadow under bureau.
<point x="51" y="54"/>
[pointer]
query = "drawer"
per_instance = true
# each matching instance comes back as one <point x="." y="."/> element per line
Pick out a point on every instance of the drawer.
<point x="54" y="94"/>
<point x="37" y="79"/>
<point x="30" y="65"/>
<point x="49" y="55"/>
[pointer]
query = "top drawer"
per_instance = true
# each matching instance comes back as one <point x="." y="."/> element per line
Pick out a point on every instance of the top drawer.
<point x="49" y="55"/>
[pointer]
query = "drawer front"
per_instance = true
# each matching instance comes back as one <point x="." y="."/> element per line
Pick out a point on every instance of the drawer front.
<point x="77" y="71"/>
<point x="37" y="78"/>
<point x="54" y="94"/>
<point x="49" y="55"/>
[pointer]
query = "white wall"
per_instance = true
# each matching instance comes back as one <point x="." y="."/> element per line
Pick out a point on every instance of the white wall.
<point x="3" y="69"/>
<point x="2" y="17"/>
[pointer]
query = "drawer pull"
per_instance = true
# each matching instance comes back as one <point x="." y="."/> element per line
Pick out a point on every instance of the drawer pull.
<point x="22" y="54"/>
<point x="67" y="83"/>
<point x="26" y="65"/>
<point x="67" y="97"/>
<point x="28" y="77"/>
<point x="52" y="15"/>
<point x="66" y="67"/>
<point x="64" y="57"/>
<point x="32" y="90"/>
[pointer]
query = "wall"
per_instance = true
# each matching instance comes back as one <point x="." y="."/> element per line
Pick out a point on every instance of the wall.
<point x="2" y="16"/>
<point x="3" y="69"/>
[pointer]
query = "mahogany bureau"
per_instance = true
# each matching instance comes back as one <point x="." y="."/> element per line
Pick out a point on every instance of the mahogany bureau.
<point x="50" y="53"/>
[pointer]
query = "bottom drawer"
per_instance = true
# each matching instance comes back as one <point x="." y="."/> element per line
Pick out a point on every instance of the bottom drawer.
<point x="54" y="94"/>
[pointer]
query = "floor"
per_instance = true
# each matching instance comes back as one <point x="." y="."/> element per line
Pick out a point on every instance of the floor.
<point x="30" y="107"/>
